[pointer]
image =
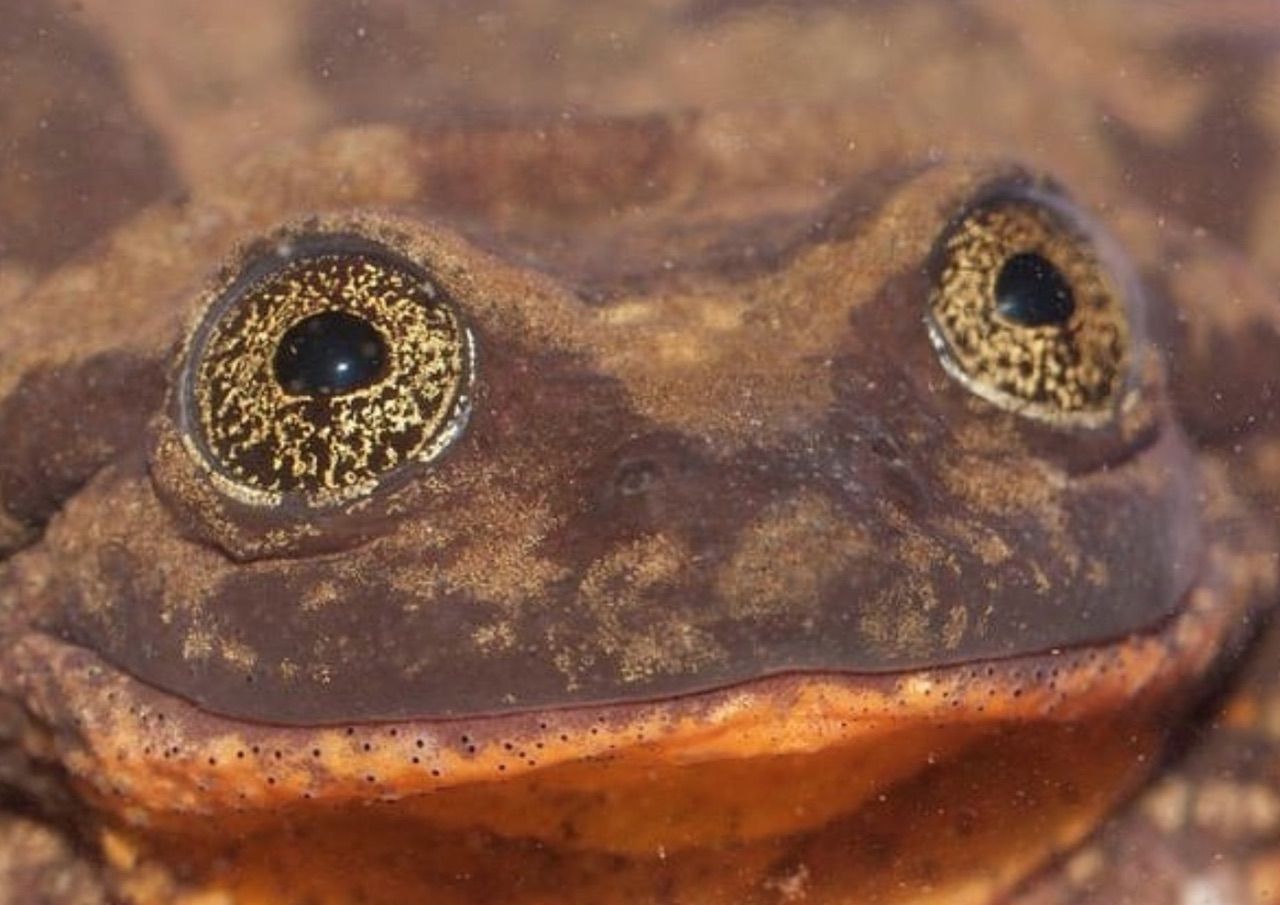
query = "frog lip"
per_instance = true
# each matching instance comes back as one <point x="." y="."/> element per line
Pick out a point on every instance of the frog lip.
<point x="142" y="746"/>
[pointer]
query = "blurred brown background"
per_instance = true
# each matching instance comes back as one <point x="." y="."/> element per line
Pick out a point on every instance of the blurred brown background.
<point x="106" y="105"/>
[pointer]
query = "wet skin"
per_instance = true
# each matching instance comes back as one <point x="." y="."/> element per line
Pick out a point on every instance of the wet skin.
<point x="740" y="520"/>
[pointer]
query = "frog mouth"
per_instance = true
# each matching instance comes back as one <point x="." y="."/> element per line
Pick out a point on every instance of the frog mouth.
<point x="139" y="745"/>
<point x="797" y="766"/>
<point x="798" y="586"/>
<point x="816" y="762"/>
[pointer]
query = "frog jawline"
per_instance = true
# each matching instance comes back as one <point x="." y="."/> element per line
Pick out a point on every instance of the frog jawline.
<point x="141" y="747"/>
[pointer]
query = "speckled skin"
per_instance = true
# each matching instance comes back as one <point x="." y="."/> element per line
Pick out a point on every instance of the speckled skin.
<point x="728" y="591"/>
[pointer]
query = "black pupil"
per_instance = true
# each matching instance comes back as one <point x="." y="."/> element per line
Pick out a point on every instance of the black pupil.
<point x="1031" y="292"/>
<point x="328" y="354"/>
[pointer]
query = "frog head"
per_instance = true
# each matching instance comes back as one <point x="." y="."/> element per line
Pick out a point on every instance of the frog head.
<point x="572" y="500"/>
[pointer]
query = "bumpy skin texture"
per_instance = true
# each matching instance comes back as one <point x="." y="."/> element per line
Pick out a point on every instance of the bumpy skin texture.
<point x="730" y="589"/>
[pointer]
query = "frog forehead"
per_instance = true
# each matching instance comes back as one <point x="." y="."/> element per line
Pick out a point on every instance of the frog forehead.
<point x="710" y="443"/>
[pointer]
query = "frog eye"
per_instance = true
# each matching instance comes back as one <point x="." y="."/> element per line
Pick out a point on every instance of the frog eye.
<point x="326" y="365"/>
<point x="1025" y="314"/>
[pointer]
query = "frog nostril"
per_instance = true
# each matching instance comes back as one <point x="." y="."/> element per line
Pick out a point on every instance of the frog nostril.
<point x="636" y="477"/>
<point x="899" y="479"/>
<point x="885" y="447"/>
<point x="651" y="475"/>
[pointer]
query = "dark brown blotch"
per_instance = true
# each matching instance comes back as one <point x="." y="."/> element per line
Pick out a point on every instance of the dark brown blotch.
<point x="61" y="424"/>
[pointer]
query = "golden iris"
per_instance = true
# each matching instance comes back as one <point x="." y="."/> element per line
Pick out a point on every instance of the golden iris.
<point x="320" y="372"/>
<point x="1025" y="314"/>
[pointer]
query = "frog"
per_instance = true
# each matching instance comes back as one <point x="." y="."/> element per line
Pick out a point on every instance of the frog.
<point x="694" y="506"/>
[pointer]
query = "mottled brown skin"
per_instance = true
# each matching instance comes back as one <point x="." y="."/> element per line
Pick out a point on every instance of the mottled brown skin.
<point x="729" y="591"/>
